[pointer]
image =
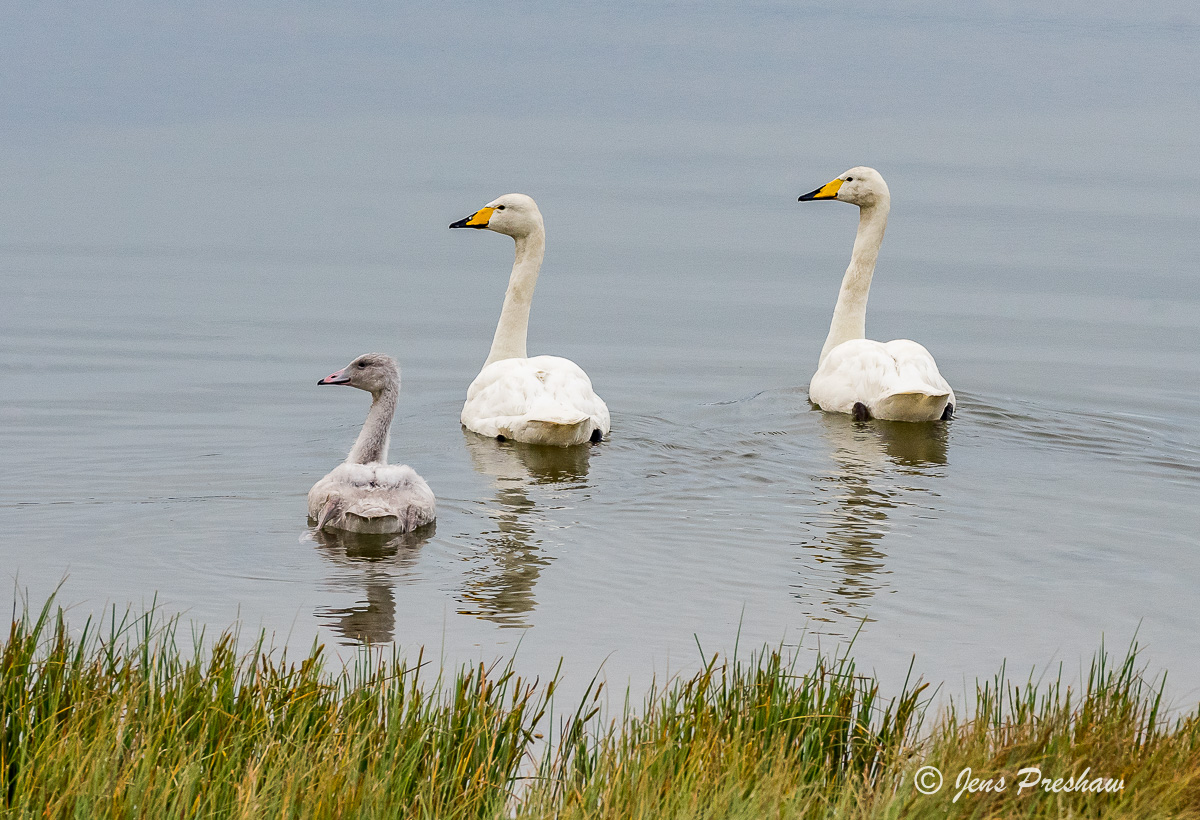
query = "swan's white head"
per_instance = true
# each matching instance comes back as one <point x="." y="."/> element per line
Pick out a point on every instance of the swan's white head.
<point x="861" y="186"/>
<point x="373" y="372"/>
<point x="512" y="214"/>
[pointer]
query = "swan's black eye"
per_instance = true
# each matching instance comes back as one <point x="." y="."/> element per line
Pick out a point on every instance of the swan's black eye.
<point x="499" y="207"/>
<point x="361" y="365"/>
<point x="849" y="179"/>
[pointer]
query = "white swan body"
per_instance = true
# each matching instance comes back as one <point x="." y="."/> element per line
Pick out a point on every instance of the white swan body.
<point x="539" y="400"/>
<point x="897" y="380"/>
<point x="364" y="493"/>
<point x="542" y="400"/>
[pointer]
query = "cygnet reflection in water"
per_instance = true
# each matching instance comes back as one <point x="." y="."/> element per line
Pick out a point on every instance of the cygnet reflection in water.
<point x="374" y="563"/>
<point x="858" y="497"/>
<point x="505" y="567"/>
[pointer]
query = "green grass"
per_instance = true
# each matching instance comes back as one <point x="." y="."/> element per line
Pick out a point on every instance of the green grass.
<point x="128" y="726"/>
<point x="125" y="723"/>
<point x="761" y="740"/>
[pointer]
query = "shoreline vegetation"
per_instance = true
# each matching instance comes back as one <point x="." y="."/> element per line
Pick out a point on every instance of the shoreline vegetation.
<point x="124" y="722"/>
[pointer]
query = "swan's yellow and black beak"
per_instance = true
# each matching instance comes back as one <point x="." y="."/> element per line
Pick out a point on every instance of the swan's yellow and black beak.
<point x="339" y="377"/>
<point x="479" y="219"/>
<point x="827" y="191"/>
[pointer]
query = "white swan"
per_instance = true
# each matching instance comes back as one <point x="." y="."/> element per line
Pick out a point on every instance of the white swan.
<point x="543" y="400"/>
<point x="365" y="493"/>
<point x="897" y="380"/>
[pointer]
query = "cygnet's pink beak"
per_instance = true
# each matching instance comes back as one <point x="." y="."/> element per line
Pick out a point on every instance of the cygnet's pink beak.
<point x="339" y="377"/>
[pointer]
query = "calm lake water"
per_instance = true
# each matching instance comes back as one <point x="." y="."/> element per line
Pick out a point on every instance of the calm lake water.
<point x="202" y="213"/>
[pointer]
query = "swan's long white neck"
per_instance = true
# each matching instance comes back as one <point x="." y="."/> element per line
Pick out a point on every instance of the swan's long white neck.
<point x="850" y="315"/>
<point x="372" y="442"/>
<point x="509" y="341"/>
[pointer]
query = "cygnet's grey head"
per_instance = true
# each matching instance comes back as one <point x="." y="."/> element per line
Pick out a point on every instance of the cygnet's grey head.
<point x="861" y="186"/>
<point x="512" y="214"/>
<point x="373" y="372"/>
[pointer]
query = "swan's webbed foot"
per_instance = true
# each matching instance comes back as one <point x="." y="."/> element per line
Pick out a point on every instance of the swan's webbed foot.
<point x="860" y="412"/>
<point x="597" y="435"/>
<point x="948" y="413"/>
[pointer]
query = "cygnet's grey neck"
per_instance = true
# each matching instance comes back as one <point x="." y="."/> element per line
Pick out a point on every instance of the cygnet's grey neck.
<point x="513" y="328"/>
<point x="372" y="443"/>
<point x="850" y="314"/>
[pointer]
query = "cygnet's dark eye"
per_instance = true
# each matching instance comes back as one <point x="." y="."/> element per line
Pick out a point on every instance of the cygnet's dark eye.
<point x="362" y="365"/>
<point x="499" y="207"/>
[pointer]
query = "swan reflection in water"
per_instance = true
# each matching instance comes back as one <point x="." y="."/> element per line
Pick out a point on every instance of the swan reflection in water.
<point x="873" y="462"/>
<point x="499" y="584"/>
<point x="372" y="563"/>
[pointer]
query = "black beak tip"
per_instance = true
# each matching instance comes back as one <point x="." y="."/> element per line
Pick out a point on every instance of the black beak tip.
<point x="462" y="223"/>
<point x="811" y="196"/>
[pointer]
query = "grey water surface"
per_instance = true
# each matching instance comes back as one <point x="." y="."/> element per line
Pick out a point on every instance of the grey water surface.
<point x="203" y="210"/>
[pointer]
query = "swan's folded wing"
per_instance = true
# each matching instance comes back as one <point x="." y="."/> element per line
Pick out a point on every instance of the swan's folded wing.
<point x="398" y="491"/>
<point x="854" y="371"/>
<point x="916" y="370"/>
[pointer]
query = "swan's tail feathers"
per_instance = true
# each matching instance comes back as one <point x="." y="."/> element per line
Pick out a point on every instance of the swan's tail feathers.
<point x="552" y="412"/>
<point x="541" y="431"/>
<point x="379" y="524"/>
<point x="553" y="422"/>
<point x="336" y="515"/>
<point x="918" y="404"/>
<point x="331" y="510"/>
